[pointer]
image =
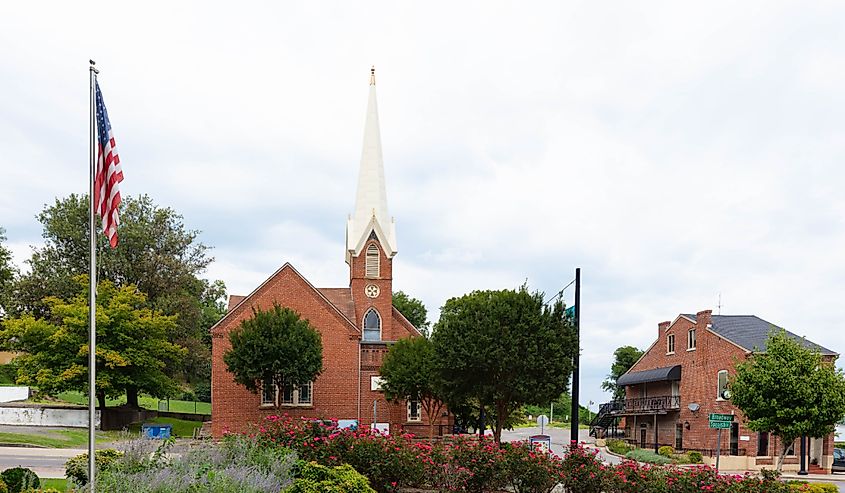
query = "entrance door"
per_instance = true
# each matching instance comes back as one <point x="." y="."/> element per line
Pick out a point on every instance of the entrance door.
<point x="642" y="435"/>
<point x="734" y="438"/>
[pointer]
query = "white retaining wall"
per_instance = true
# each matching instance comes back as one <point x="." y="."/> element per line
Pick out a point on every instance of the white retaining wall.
<point x="47" y="416"/>
<point x="10" y="394"/>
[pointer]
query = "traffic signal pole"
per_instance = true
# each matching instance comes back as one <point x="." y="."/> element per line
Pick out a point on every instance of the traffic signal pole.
<point x="576" y="360"/>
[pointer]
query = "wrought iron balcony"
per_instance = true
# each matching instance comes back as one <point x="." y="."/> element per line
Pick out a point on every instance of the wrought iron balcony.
<point x="642" y="405"/>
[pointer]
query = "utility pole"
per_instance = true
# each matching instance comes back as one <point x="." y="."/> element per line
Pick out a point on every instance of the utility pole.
<point x="573" y="432"/>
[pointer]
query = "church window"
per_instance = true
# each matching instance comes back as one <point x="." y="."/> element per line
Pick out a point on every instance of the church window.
<point x="372" y="326"/>
<point x="297" y="395"/>
<point x="414" y="410"/>
<point x="268" y="392"/>
<point x="723" y="385"/>
<point x="372" y="261"/>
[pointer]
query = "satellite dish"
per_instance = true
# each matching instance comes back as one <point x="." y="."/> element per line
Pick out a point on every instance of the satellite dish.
<point x="693" y="406"/>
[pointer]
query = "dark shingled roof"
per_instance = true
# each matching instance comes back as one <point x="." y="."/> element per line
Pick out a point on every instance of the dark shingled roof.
<point x="655" y="375"/>
<point x="751" y="332"/>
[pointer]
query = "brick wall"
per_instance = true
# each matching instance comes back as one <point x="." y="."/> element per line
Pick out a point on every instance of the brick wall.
<point x="343" y="390"/>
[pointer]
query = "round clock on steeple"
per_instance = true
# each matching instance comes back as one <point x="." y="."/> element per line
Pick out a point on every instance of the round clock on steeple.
<point x="372" y="291"/>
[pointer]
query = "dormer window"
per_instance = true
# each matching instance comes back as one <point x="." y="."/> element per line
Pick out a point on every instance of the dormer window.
<point x="372" y="267"/>
<point x="372" y="326"/>
<point x="691" y="340"/>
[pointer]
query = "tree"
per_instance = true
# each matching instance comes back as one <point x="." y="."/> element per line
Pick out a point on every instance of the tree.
<point x="789" y="390"/>
<point x="274" y="346"/>
<point x="132" y="347"/>
<point x="157" y="253"/>
<point x="624" y="359"/>
<point x="412" y="309"/>
<point x="7" y="273"/>
<point x="503" y="349"/>
<point x="409" y="372"/>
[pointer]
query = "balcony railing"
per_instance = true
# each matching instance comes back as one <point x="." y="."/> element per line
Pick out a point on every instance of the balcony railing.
<point x="643" y="405"/>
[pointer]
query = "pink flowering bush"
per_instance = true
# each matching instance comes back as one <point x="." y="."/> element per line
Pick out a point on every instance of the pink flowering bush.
<point x="474" y="465"/>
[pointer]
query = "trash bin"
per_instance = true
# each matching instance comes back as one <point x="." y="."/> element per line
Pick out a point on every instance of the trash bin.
<point x="156" y="431"/>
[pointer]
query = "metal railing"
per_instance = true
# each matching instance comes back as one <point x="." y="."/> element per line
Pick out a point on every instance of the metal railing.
<point x="642" y="405"/>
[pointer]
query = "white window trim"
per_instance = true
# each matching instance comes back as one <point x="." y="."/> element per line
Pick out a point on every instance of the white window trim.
<point x="692" y="336"/>
<point x="418" y="419"/>
<point x="372" y="262"/>
<point x="670" y="349"/>
<point x="719" y="385"/>
<point x="295" y="395"/>
<point x="364" y="325"/>
<point x="264" y="402"/>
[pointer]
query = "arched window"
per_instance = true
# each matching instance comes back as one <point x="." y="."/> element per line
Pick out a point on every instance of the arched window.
<point x="372" y="326"/>
<point x="372" y="261"/>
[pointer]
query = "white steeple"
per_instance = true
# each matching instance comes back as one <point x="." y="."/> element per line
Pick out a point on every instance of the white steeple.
<point x="371" y="199"/>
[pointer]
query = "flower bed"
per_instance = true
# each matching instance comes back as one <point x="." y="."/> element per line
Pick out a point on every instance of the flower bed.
<point x="472" y="464"/>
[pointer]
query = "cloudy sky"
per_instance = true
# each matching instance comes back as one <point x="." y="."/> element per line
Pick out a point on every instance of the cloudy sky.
<point x="672" y="150"/>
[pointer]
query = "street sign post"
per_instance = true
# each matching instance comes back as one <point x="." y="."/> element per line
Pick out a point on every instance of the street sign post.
<point x="720" y="422"/>
<point x="542" y="421"/>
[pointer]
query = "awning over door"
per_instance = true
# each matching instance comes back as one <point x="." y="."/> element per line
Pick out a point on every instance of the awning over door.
<point x="666" y="374"/>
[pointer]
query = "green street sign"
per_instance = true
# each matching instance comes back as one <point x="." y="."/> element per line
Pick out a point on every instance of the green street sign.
<point x="721" y="417"/>
<point x="720" y="425"/>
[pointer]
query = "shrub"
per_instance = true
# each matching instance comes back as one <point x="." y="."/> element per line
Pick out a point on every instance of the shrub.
<point x="643" y="455"/>
<point x="202" y="390"/>
<point x="666" y="451"/>
<point x="76" y="468"/>
<point x="3" y="487"/>
<point x="695" y="456"/>
<point x="18" y="479"/>
<point x="314" y="478"/>
<point x="582" y="471"/>
<point x="529" y="470"/>
<point x="805" y="487"/>
<point x="618" y="446"/>
<point x="41" y="490"/>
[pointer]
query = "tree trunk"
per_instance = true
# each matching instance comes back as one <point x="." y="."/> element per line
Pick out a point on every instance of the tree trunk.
<point x="501" y="417"/>
<point x="132" y="397"/>
<point x="432" y="409"/>
<point x="101" y="400"/>
<point x="784" y="447"/>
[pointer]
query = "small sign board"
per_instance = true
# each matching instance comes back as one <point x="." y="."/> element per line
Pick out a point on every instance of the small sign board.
<point x="720" y="425"/>
<point x="542" y="442"/>
<point x="542" y="420"/>
<point x="720" y="421"/>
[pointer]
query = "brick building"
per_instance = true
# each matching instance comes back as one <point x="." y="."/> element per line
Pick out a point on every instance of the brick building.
<point x="357" y="323"/>
<point x="682" y="378"/>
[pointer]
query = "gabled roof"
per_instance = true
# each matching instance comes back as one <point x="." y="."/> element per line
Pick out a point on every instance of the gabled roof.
<point x="751" y="332"/>
<point x="404" y="321"/>
<point x="254" y="292"/>
<point x="341" y="298"/>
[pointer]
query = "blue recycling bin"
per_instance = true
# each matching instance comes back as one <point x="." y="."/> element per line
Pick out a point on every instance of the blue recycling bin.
<point x="156" y="431"/>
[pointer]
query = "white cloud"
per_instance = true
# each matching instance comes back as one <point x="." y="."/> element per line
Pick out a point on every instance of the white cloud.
<point x="674" y="151"/>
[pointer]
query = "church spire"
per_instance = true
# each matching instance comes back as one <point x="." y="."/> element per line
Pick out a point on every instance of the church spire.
<point x="371" y="199"/>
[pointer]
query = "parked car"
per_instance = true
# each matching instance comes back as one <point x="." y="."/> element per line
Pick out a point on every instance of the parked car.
<point x="838" y="460"/>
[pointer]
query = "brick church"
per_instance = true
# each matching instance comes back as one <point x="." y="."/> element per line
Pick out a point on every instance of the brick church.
<point x="357" y="323"/>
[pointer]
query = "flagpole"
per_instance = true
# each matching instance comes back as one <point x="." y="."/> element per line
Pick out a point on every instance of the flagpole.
<point x="92" y="290"/>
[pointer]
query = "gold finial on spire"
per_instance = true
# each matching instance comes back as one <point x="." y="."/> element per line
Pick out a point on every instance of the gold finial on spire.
<point x="373" y="75"/>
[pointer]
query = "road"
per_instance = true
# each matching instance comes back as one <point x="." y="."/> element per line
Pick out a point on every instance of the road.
<point x="46" y="462"/>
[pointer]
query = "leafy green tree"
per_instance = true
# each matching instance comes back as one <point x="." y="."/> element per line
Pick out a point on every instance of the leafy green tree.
<point x="413" y="309"/>
<point x="624" y="359"/>
<point x="274" y="346"/>
<point x="503" y="349"/>
<point x="157" y="253"/>
<point x="132" y="347"/>
<point x="789" y="390"/>
<point x="409" y="372"/>
<point x="7" y="273"/>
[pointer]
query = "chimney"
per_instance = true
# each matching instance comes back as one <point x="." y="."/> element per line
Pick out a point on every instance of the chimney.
<point x="661" y="328"/>
<point x="703" y="318"/>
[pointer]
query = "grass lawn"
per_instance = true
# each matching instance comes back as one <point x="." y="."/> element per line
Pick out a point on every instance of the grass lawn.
<point x="181" y="427"/>
<point x="56" y="484"/>
<point x="176" y="406"/>
<point x="57" y="438"/>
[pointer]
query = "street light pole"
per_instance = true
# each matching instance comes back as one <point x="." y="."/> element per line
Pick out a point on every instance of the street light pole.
<point x="573" y="432"/>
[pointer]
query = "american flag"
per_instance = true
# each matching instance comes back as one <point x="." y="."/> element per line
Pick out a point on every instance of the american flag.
<point x="108" y="173"/>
